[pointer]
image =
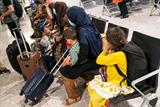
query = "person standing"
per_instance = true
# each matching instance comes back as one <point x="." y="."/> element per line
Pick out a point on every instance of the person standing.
<point x="123" y="8"/>
<point x="8" y="16"/>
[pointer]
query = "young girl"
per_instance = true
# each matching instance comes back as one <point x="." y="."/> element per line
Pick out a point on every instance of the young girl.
<point x="100" y="91"/>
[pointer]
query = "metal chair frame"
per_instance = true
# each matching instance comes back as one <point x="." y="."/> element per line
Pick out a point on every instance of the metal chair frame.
<point x="82" y="2"/>
<point x="148" y="91"/>
<point x="106" y="11"/>
<point x="155" y="7"/>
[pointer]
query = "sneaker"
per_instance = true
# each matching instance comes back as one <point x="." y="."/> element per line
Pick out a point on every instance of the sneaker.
<point x="6" y="71"/>
<point x="119" y="15"/>
<point x="125" y="16"/>
<point x="33" y="36"/>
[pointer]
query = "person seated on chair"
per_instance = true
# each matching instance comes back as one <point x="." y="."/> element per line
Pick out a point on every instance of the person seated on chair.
<point x="112" y="54"/>
<point x="39" y="18"/>
<point x="86" y="32"/>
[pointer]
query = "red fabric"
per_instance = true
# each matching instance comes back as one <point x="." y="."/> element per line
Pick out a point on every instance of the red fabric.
<point x="68" y="45"/>
<point x="117" y="1"/>
<point x="107" y="103"/>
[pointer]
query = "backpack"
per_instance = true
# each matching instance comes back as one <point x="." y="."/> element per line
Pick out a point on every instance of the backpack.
<point x="18" y="8"/>
<point x="136" y="64"/>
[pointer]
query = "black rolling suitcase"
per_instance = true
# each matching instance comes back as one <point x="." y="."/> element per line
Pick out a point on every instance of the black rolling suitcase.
<point x="37" y="85"/>
<point x="12" y="53"/>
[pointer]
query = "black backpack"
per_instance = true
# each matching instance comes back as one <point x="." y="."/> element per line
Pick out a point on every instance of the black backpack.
<point x="12" y="53"/>
<point x="18" y="8"/>
<point x="136" y="64"/>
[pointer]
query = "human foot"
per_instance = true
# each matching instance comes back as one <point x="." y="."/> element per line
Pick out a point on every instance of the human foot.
<point x="70" y="101"/>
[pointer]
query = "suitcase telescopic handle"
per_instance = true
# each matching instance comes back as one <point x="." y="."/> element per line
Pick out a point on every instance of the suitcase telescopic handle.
<point x="59" y="68"/>
<point x="24" y="43"/>
<point x="60" y="60"/>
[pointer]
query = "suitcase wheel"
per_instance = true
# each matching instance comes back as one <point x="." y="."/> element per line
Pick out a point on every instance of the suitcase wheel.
<point x="33" y="103"/>
<point x="21" y="93"/>
<point x="26" y="100"/>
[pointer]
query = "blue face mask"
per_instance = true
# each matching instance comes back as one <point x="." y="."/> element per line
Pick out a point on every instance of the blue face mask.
<point x="54" y="11"/>
<point x="71" y="23"/>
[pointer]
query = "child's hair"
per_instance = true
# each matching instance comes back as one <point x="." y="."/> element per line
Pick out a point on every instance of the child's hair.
<point x="70" y="33"/>
<point x="116" y="37"/>
<point x="37" y="2"/>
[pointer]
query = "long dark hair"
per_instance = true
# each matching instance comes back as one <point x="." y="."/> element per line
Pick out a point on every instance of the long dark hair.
<point x="116" y="37"/>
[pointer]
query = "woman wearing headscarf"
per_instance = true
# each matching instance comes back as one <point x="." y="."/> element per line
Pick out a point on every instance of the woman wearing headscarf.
<point x="86" y="31"/>
<point x="91" y="39"/>
<point x="59" y="11"/>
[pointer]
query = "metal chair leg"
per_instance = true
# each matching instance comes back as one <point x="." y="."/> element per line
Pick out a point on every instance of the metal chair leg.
<point x="156" y="7"/>
<point x="150" y="100"/>
<point x="152" y="10"/>
<point x="105" y="10"/>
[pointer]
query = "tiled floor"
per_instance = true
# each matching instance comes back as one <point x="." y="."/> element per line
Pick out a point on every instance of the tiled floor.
<point x="10" y="84"/>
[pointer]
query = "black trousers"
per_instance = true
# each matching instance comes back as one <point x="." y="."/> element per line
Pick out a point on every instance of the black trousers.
<point x="123" y="8"/>
<point x="73" y="72"/>
<point x="13" y="25"/>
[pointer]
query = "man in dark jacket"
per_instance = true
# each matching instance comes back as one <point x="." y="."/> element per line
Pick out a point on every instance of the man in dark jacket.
<point x="8" y="16"/>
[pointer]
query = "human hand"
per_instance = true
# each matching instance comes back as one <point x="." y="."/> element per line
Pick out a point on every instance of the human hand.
<point x="1" y="18"/>
<point x="49" y="17"/>
<point x="107" y="46"/>
<point x="66" y="61"/>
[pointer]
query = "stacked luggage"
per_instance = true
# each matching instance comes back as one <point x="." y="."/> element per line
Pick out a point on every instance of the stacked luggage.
<point x="32" y="67"/>
<point x="12" y="53"/>
<point x="37" y="85"/>
<point x="21" y="59"/>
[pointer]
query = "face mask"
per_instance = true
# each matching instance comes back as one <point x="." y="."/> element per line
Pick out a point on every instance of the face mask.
<point x="71" y="23"/>
<point x="54" y="11"/>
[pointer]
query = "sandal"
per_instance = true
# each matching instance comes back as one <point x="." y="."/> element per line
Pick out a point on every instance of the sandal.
<point x="70" y="101"/>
